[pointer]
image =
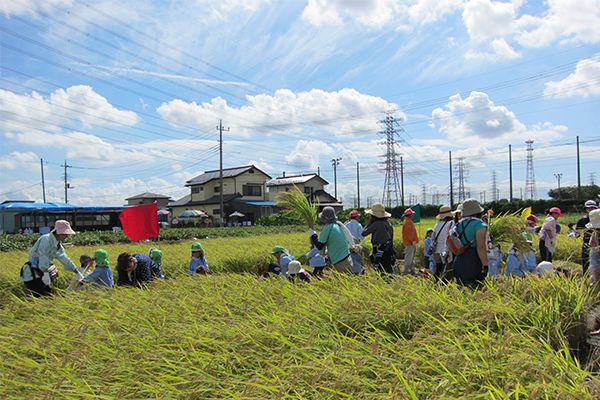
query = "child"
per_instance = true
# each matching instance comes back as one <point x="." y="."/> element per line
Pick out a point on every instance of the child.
<point x="572" y="233"/>
<point x="428" y="251"/>
<point x="494" y="260"/>
<point x="101" y="276"/>
<point x="295" y="271"/>
<point x="283" y="260"/>
<point x="156" y="257"/>
<point x="594" y="243"/>
<point x="316" y="261"/>
<point x="198" y="263"/>
<point x="518" y="264"/>
<point x="87" y="262"/>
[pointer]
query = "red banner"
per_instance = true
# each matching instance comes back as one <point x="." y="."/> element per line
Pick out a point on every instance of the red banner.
<point x="140" y="222"/>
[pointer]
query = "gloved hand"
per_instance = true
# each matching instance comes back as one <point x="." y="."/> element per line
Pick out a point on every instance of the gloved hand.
<point x="311" y="233"/>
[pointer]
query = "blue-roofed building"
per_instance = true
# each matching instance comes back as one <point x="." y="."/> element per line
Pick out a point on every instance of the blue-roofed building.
<point x="20" y="215"/>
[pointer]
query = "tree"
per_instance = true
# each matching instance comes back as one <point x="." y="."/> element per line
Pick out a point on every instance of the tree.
<point x="570" y="192"/>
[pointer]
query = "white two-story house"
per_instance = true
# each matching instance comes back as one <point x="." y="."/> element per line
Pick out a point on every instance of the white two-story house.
<point x="312" y="185"/>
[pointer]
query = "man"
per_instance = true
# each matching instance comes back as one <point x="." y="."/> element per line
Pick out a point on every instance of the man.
<point x="37" y="274"/>
<point x="410" y="240"/>
<point x="589" y="205"/>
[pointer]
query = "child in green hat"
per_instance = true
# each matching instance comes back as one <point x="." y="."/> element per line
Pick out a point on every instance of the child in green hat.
<point x="198" y="263"/>
<point x="101" y="276"/>
<point x="156" y="257"/>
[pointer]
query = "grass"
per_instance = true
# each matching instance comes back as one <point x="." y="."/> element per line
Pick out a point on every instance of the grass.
<point x="232" y="335"/>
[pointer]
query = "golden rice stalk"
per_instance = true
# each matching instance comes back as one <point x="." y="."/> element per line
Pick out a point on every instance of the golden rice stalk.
<point x="508" y="228"/>
<point x="296" y="204"/>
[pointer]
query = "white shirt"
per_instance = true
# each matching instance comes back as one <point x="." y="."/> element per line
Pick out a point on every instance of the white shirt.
<point x="440" y="236"/>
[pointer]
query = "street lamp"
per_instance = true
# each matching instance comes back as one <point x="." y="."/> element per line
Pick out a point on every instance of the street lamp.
<point x="335" y="162"/>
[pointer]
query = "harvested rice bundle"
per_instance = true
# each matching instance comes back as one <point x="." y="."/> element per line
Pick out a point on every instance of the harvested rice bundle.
<point x="296" y="204"/>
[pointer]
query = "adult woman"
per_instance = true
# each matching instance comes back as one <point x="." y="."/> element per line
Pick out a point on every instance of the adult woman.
<point x="134" y="269"/>
<point x="471" y="266"/>
<point x="382" y="239"/>
<point x="548" y="234"/>
<point x="355" y="229"/>
<point x="439" y="251"/>
<point x="336" y="237"/>
<point x="38" y="272"/>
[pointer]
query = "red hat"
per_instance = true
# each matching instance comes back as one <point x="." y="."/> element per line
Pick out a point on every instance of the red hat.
<point x="532" y="218"/>
<point x="354" y="214"/>
<point x="408" y="211"/>
<point x="555" y="210"/>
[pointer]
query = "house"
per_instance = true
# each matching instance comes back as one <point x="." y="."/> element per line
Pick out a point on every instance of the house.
<point x="149" y="198"/>
<point x="244" y="192"/>
<point x="312" y="185"/>
<point x="40" y="217"/>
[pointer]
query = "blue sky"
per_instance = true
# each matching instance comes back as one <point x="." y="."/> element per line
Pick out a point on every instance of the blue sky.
<point x="130" y="92"/>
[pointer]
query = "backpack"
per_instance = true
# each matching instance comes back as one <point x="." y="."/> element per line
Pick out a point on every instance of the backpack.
<point x="455" y="244"/>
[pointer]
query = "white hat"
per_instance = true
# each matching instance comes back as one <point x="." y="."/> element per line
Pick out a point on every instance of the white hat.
<point x="378" y="210"/>
<point x="471" y="207"/>
<point x="545" y="269"/>
<point x="294" y="267"/>
<point x="62" y="227"/>
<point x="590" y="204"/>
<point x="445" y="211"/>
<point x="594" y="219"/>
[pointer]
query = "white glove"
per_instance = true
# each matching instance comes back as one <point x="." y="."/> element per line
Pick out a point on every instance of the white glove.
<point x="78" y="275"/>
<point x="311" y="232"/>
<point x="46" y="279"/>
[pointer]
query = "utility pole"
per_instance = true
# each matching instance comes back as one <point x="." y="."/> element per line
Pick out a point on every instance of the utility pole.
<point x="358" y="185"/>
<point x="495" y="196"/>
<point x="319" y="171"/>
<point x="510" y="194"/>
<point x="451" y="183"/>
<point x="43" y="182"/>
<point x="221" y="208"/>
<point x="558" y="175"/>
<point x="402" y="180"/>
<point x="578" y="172"/>
<point x="67" y="184"/>
<point x="335" y="162"/>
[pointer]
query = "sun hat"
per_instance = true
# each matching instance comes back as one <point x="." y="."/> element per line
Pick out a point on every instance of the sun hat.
<point x="62" y="227"/>
<point x="294" y="267"/>
<point x="528" y="237"/>
<point x="445" y="211"/>
<point x="101" y="258"/>
<point x="327" y="216"/>
<point x="278" y="249"/>
<point x="555" y="210"/>
<point x="197" y="246"/>
<point x="408" y="211"/>
<point x="545" y="268"/>
<point x="590" y="204"/>
<point x="354" y="214"/>
<point x="156" y="255"/>
<point x="533" y="218"/>
<point x="378" y="210"/>
<point x="471" y="207"/>
<point x="594" y="219"/>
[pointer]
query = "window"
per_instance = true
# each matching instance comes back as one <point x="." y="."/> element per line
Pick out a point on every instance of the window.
<point x="217" y="189"/>
<point x="252" y="189"/>
<point x="308" y="190"/>
<point x="217" y="211"/>
<point x="195" y="189"/>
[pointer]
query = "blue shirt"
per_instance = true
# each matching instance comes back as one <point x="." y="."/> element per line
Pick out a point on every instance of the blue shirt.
<point x="315" y="259"/>
<point x="100" y="276"/>
<point x="355" y="229"/>
<point x="197" y="263"/>
<point x="427" y="245"/>
<point x="42" y="255"/>
<point x="335" y="240"/>
<point x="517" y="267"/>
<point x="284" y="261"/>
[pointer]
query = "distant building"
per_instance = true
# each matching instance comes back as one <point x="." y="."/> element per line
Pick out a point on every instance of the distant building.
<point x="162" y="201"/>
<point x="17" y="215"/>
<point x="312" y="185"/>
<point x="244" y="192"/>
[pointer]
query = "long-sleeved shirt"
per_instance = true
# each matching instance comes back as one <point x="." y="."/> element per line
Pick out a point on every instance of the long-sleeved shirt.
<point x="381" y="231"/>
<point x="141" y="274"/>
<point x="284" y="262"/>
<point x="315" y="259"/>
<point x="196" y="263"/>
<point x="409" y="232"/>
<point x="519" y="266"/>
<point x="355" y="229"/>
<point x="100" y="276"/>
<point x="548" y="233"/>
<point x="427" y="242"/>
<point x="42" y="255"/>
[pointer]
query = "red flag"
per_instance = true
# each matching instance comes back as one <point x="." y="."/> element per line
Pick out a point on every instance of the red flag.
<point x="140" y="222"/>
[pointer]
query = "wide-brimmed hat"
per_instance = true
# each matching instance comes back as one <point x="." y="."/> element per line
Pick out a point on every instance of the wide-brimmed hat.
<point x="590" y="204"/>
<point x="445" y="211"/>
<point x="459" y="209"/>
<point x="354" y="214"/>
<point x="471" y="207"/>
<point x="294" y="267"/>
<point x="408" y="211"/>
<point x="63" y="227"/>
<point x="101" y="258"/>
<point x="594" y="219"/>
<point x="327" y="216"/>
<point x="156" y="255"/>
<point x="378" y="210"/>
<point x="545" y="268"/>
<point x="197" y="246"/>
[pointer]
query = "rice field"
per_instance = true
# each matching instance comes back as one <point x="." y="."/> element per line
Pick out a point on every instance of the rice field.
<point x="232" y="335"/>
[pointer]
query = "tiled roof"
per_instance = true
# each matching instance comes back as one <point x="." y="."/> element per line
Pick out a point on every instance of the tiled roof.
<point x="227" y="173"/>
<point x="294" y="180"/>
<point x="148" y="195"/>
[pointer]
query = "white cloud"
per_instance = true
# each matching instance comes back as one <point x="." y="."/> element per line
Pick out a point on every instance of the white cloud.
<point x="21" y="160"/>
<point x="285" y="111"/>
<point x="79" y="103"/>
<point x="501" y="50"/>
<point x="9" y="7"/>
<point x="306" y="154"/>
<point x="584" y="82"/>
<point x="486" y="19"/>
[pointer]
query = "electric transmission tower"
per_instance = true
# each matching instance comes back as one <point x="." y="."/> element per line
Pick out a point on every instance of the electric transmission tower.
<point x="495" y="191"/>
<point x="530" y="190"/>
<point x="392" y="185"/>
<point x="424" y="194"/>
<point x="592" y="178"/>
<point x="460" y="172"/>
